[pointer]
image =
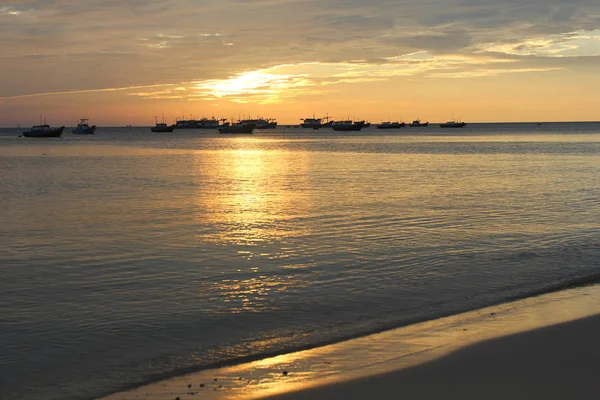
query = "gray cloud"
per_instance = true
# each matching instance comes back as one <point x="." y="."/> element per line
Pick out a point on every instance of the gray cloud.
<point x="112" y="43"/>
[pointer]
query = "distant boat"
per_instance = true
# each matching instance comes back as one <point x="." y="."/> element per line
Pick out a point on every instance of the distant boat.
<point x="238" y="127"/>
<point x="261" y="123"/>
<point x="391" y="125"/>
<point x="453" y="124"/>
<point x="211" y="123"/>
<point x="44" y="131"/>
<point x="83" y="128"/>
<point x="162" y="127"/>
<point x="316" y="123"/>
<point x="348" y="125"/>
<point x="417" y="123"/>
<point x="202" y="123"/>
<point x="311" y="123"/>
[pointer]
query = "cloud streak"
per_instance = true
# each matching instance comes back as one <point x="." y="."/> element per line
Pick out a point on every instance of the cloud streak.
<point x="71" y="92"/>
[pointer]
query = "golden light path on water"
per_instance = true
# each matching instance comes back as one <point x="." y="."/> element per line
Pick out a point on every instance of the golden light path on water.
<point x="245" y="213"/>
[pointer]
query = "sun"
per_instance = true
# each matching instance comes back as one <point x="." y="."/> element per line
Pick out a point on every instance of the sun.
<point x="263" y="86"/>
<point x="246" y="82"/>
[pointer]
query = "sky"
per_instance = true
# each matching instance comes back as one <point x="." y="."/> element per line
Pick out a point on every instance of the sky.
<point x="122" y="62"/>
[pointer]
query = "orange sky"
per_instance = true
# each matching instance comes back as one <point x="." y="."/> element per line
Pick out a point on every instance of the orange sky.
<point x="290" y="59"/>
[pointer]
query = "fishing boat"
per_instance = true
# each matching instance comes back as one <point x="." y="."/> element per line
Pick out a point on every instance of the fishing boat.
<point x="237" y="127"/>
<point x="453" y="124"/>
<point x="348" y="125"/>
<point x="316" y="123"/>
<point x="44" y="131"/>
<point x="211" y="123"/>
<point x="202" y="123"/>
<point x="261" y="123"/>
<point x="391" y="125"/>
<point x="186" y="124"/>
<point x="162" y="126"/>
<point x="83" y="128"/>
<point x="418" y="123"/>
<point x="311" y="123"/>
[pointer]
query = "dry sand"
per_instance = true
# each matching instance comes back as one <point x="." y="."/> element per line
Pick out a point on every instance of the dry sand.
<point x="556" y="362"/>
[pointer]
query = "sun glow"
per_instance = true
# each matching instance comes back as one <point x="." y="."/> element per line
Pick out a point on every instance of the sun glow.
<point x="263" y="86"/>
<point x="286" y="81"/>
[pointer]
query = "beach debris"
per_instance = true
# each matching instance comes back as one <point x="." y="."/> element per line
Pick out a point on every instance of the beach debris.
<point x="202" y="385"/>
<point x="285" y="373"/>
<point x="189" y="385"/>
<point x="220" y="386"/>
<point x="493" y="313"/>
<point x="215" y="379"/>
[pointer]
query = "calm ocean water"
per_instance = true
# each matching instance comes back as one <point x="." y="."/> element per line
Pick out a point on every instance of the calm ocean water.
<point x="129" y="256"/>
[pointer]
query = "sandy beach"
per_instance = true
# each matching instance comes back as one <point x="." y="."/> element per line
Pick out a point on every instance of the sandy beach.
<point x="556" y="362"/>
<point x="539" y="347"/>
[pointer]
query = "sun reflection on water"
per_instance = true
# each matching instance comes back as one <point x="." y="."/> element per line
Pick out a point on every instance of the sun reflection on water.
<point x="252" y="200"/>
<point x="248" y="209"/>
<point x="249" y="295"/>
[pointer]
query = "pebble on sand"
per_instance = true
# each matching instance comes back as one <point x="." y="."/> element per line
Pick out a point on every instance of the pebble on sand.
<point x="285" y="373"/>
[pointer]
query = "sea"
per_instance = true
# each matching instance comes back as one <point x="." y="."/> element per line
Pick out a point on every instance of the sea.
<point x="129" y="256"/>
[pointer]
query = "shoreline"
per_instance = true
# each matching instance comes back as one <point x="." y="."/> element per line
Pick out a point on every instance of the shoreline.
<point x="375" y="354"/>
<point x="573" y="283"/>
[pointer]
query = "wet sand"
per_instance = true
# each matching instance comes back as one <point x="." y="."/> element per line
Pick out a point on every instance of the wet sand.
<point x="556" y="362"/>
<point x="546" y="346"/>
